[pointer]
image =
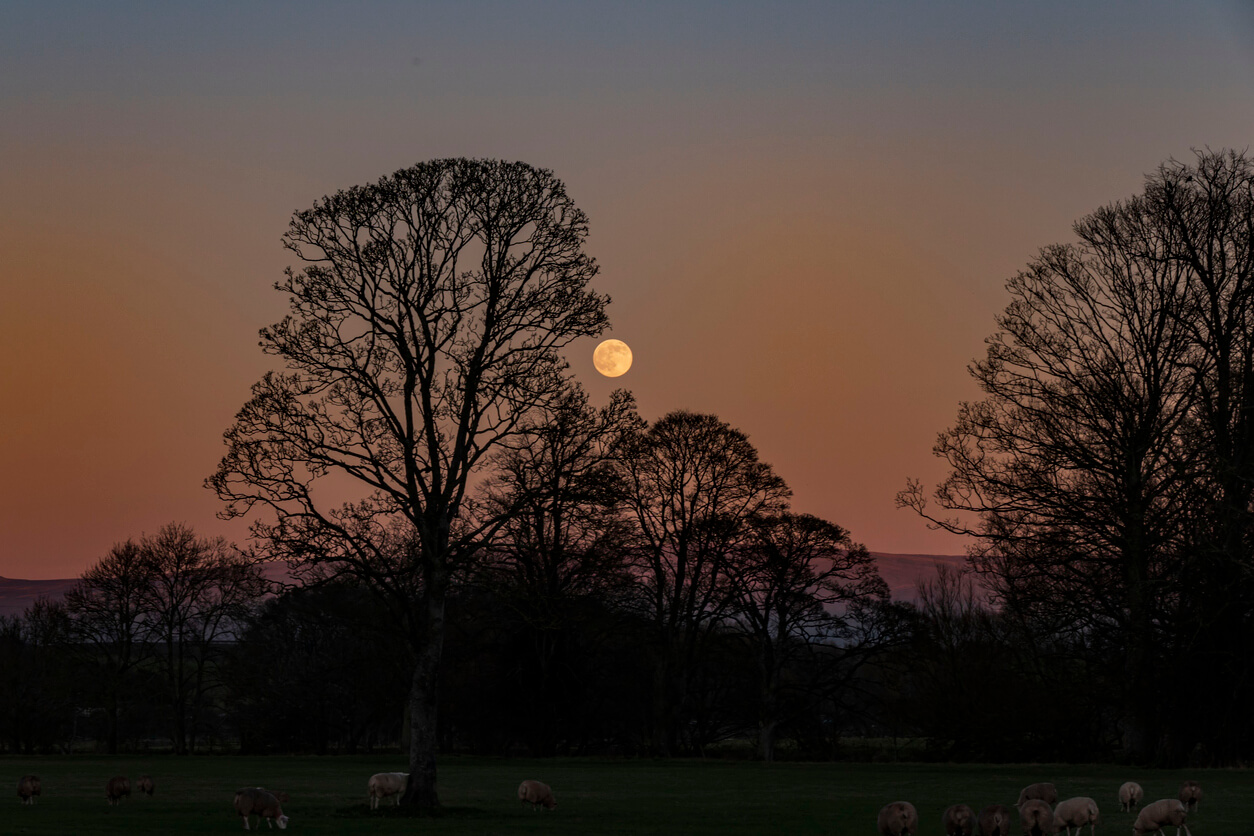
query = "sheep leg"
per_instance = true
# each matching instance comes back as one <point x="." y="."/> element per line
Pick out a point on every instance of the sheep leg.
<point x="246" y="827"/>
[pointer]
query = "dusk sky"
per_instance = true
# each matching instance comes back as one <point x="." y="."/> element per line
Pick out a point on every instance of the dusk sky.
<point x="805" y="212"/>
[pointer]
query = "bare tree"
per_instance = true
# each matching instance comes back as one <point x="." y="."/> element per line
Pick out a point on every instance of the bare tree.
<point x="426" y="326"/>
<point x="105" y="609"/>
<point x="199" y="592"/>
<point x="797" y="580"/>
<point x="1203" y="213"/>
<point x="691" y="482"/>
<point x="1072" y="463"/>
<point x="561" y="557"/>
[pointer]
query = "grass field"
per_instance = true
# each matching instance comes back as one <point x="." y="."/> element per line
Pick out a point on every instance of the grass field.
<point x="328" y="795"/>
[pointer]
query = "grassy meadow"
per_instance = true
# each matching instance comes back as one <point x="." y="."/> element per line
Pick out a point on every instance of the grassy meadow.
<point x="595" y="796"/>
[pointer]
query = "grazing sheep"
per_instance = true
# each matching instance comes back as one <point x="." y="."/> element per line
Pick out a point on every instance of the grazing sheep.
<point x="1075" y="812"/>
<point x="117" y="789"/>
<point x="958" y="820"/>
<point x="1044" y="791"/>
<point x="995" y="820"/>
<point x="1130" y="795"/>
<point x="28" y="787"/>
<point x="536" y="793"/>
<point x="1156" y="816"/>
<point x="898" y="819"/>
<point x="145" y="785"/>
<point x="251" y="800"/>
<point x="383" y="784"/>
<point x="1036" y="817"/>
<point x="1190" y="795"/>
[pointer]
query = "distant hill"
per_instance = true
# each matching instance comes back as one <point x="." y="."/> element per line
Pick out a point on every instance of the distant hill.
<point x="16" y="594"/>
<point x="901" y="571"/>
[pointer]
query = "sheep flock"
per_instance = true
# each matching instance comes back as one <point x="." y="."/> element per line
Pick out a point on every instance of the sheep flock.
<point x="1040" y="813"/>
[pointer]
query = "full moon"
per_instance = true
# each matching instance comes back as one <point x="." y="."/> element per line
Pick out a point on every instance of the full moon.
<point x="612" y="358"/>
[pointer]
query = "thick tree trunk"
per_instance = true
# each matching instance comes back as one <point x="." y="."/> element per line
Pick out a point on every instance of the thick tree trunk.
<point x="423" y="704"/>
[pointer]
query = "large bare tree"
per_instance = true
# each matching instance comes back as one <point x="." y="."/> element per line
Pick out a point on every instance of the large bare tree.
<point x="426" y="325"/>
<point x="691" y="484"/>
<point x="561" y="558"/>
<point x="1071" y="467"/>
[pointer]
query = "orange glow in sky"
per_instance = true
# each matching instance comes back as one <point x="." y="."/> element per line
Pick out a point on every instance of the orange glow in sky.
<point x="805" y="213"/>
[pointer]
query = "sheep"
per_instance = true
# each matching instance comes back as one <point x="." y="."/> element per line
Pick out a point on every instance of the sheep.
<point x="383" y="784"/>
<point x="145" y="785"/>
<point x="1156" y="816"/>
<point x="251" y="800"/>
<point x="1130" y="795"/>
<point x="995" y="820"/>
<point x="29" y="787"/>
<point x="117" y="789"/>
<point x="898" y="819"/>
<point x="536" y="793"/>
<point x="1190" y="795"/>
<point x="1075" y="812"/>
<point x="1045" y="792"/>
<point x="958" y="820"/>
<point x="1036" y="817"/>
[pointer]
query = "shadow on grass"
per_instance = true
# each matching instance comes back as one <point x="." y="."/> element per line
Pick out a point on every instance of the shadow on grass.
<point x="363" y="811"/>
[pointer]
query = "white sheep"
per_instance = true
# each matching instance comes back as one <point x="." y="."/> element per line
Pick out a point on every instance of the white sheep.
<point x="1130" y="795"/>
<point x="1156" y="816"/>
<point x="145" y="785"/>
<point x="1036" y="817"/>
<point x="383" y="784"/>
<point x="28" y="788"/>
<point x="1190" y="795"/>
<point x="995" y="820"/>
<point x="1044" y="791"/>
<point x="1075" y="812"/>
<point x="250" y="800"/>
<point x="898" y="819"/>
<point x="117" y="789"/>
<point x="958" y="820"/>
<point x="536" y="793"/>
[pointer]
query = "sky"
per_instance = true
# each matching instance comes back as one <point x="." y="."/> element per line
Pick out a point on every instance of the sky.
<point x="805" y="213"/>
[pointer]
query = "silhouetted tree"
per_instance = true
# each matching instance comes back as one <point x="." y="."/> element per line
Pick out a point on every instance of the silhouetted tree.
<point x="560" y="559"/>
<point x="797" y="581"/>
<point x="198" y="594"/>
<point x="106" y="609"/>
<point x="691" y="482"/>
<point x="1202" y="217"/>
<point x="1113" y="410"/>
<point x="426" y="327"/>
<point x="317" y="670"/>
<point x="37" y="681"/>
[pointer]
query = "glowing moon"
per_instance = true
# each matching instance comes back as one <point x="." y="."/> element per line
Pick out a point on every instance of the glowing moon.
<point x="612" y="358"/>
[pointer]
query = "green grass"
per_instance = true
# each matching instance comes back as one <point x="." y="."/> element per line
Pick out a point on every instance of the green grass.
<point x="595" y="796"/>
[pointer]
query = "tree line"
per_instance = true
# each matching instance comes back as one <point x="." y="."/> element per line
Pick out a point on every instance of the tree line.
<point x="1107" y="473"/>
<point x="647" y="590"/>
<point x="533" y="571"/>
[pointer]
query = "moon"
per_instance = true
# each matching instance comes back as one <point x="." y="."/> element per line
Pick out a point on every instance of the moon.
<point x="612" y="358"/>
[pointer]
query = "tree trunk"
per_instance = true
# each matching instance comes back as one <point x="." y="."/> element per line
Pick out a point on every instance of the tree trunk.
<point x="766" y="739"/>
<point x="423" y="703"/>
<point x="113" y="723"/>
